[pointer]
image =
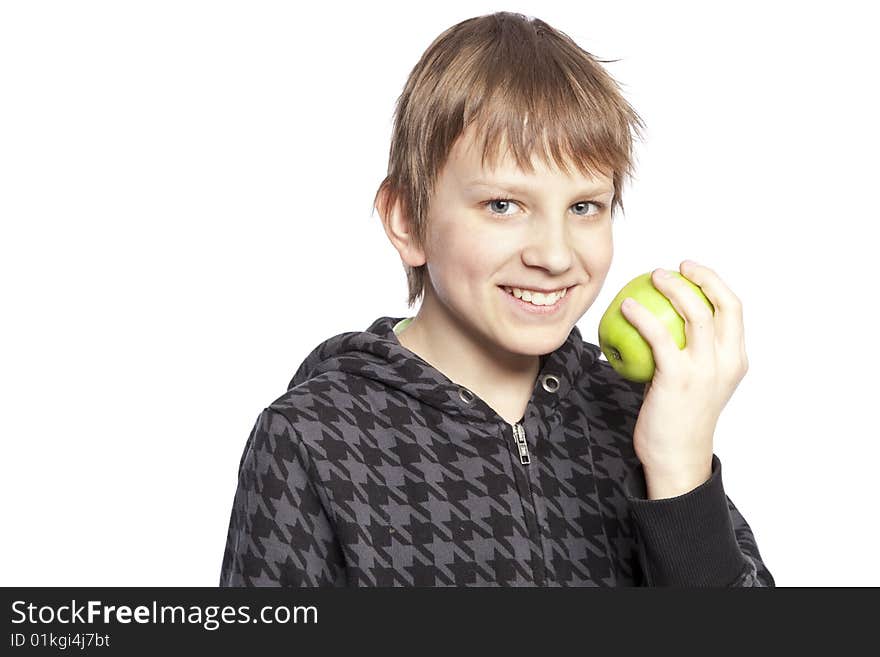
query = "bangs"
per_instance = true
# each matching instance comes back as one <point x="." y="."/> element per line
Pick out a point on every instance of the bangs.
<point x="526" y="90"/>
<point x="521" y="89"/>
<point x="571" y="144"/>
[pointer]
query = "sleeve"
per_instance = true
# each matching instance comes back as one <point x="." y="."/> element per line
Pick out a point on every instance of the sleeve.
<point x="280" y="533"/>
<point x="698" y="539"/>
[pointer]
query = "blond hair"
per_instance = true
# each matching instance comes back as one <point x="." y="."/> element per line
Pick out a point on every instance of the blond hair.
<point x="495" y="71"/>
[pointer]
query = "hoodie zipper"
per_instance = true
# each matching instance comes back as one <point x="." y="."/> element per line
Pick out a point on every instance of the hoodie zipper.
<point x="519" y="437"/>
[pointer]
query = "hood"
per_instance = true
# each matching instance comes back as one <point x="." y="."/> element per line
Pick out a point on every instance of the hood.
<point x="378" y="355"/>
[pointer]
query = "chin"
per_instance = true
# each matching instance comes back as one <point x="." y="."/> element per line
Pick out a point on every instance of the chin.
<point x="540" y="342"/>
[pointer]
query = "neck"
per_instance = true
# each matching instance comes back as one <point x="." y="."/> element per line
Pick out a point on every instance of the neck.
<point x="504" y="380"/>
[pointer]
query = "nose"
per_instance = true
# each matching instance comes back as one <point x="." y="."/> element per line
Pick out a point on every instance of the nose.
<point x="549" y="247"/>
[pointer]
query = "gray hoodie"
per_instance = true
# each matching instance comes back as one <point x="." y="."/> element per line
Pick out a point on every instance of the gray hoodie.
<point x="375" y="469"/>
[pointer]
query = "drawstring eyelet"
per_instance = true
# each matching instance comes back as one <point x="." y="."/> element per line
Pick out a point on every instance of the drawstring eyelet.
<point x="550" y="383"/>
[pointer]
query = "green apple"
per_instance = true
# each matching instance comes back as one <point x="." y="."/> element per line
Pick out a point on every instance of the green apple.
<point x="626" y="350"/>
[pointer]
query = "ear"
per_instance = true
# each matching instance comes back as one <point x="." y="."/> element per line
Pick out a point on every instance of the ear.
<point x="397" y="226"/>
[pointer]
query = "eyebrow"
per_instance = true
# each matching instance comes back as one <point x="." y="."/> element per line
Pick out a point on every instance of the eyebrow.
<point x="516" y="189"/>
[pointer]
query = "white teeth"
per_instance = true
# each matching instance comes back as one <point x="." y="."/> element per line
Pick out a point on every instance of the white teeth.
<point x="536" y="298"/>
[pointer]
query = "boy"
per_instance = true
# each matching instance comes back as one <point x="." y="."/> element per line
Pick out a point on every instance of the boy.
<point x="483" y="442"/>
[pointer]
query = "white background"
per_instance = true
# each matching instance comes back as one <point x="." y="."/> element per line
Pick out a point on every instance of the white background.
<point x="186" y="192"/>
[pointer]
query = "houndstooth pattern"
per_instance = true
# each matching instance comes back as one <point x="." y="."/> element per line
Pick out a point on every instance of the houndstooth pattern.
<point x="375" y="469"/>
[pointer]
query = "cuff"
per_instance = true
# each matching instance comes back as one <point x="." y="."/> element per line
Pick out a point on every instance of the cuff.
<point x="686" y="540"/>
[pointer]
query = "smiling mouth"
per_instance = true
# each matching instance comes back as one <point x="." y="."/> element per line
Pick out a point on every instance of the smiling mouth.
<point x="557" y="296"/>
<point x="559" y="289"/>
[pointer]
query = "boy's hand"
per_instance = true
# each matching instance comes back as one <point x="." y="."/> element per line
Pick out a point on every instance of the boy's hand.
<point x="676" y="424"/>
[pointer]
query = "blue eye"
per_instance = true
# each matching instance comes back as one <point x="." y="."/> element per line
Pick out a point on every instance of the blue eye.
<point x="499" y="200"/>
<point x="599" y="207"/>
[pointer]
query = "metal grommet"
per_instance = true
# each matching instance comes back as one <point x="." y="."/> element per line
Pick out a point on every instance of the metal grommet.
<point x="550" y="383"/>
<point x="466" y="395"/>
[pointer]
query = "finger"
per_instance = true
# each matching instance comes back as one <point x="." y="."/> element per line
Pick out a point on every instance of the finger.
<point x="655" y="333"/>
<point x="699" y="326"/>
<point x="728" y="308"/>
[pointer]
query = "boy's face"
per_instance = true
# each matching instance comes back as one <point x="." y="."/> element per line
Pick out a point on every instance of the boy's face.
<point x="545" y="235"/>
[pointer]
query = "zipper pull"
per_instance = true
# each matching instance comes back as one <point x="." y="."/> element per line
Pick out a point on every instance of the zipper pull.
<point x="519" y="435"/>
